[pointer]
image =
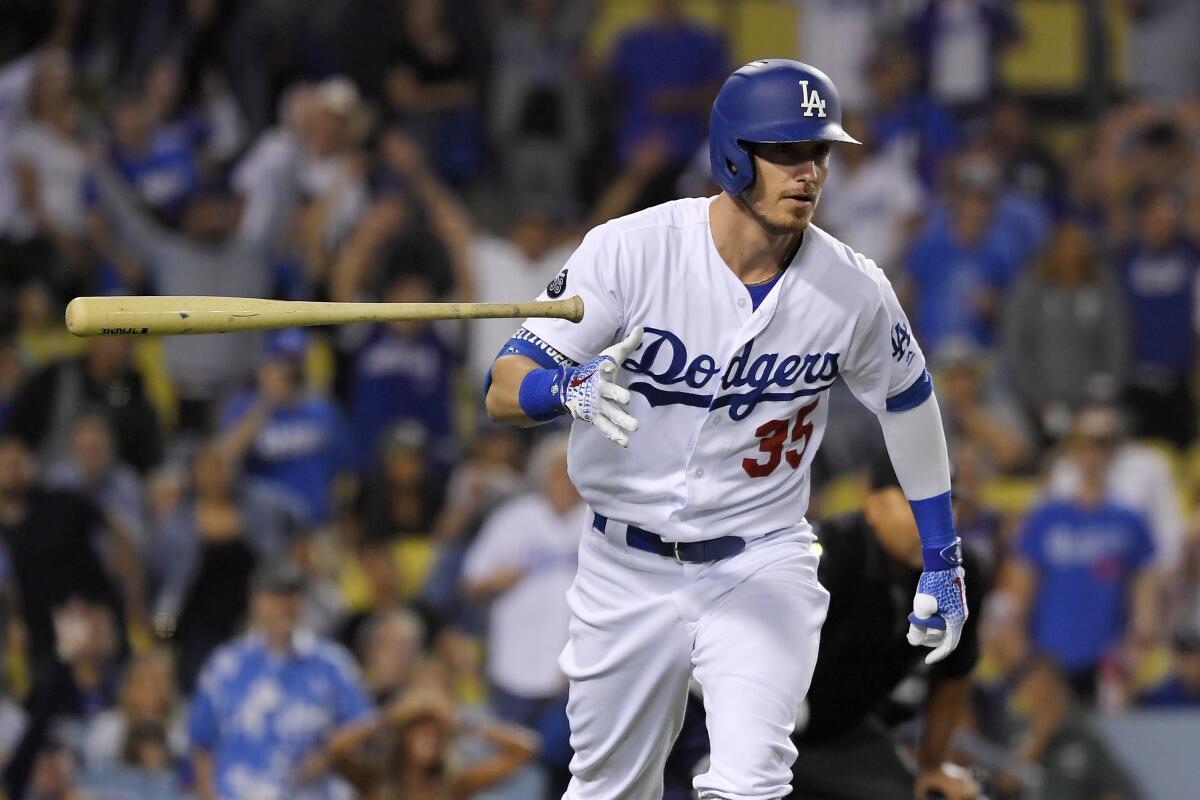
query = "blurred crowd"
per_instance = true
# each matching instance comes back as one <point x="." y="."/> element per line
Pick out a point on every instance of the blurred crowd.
<point x="303" y="564"/>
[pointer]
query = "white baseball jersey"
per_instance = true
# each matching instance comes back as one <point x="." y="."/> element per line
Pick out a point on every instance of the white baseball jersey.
<point x="731" y="401"/>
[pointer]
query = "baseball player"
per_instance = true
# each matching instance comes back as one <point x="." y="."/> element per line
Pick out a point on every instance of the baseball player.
<point x="698" y="381"/>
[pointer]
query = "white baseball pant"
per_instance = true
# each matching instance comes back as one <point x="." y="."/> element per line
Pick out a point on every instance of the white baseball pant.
<point x="747" y="628"/>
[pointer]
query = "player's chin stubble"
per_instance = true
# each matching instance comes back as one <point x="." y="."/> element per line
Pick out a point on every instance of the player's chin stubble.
<point x="783" y="220"/>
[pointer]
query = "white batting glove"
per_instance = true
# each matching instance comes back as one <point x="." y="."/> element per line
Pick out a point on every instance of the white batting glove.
<point x="591" y="393"/>
<point x="939" y="612"/>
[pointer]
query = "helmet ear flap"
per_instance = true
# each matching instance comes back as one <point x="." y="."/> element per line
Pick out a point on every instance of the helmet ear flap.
<point x="733" y="167"/>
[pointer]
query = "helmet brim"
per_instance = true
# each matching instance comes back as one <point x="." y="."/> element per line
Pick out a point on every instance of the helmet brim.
<point x="781" y="134"/>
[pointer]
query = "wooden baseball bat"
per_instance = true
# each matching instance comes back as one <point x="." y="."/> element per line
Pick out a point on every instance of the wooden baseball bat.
<point x="172" y="316"/>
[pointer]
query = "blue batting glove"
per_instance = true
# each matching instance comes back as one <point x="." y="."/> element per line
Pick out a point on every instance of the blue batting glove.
<point x="939" y="610"/>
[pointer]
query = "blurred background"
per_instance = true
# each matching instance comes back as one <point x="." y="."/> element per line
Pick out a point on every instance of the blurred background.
<point x="1028" y="181"/>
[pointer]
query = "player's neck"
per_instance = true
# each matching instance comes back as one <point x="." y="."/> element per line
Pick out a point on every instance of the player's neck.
<point x="750" y="251"/>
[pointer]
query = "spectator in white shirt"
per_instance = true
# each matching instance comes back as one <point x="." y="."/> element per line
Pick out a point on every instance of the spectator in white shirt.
<point x="15" y="79"/>
<point x="310" y="165"/>
<point x="49" y="162"/>
<point x="523" y="562"/>
<point x="840" y="36"/>
<point x="873" y="200"/>
<point x="500" y="269"/>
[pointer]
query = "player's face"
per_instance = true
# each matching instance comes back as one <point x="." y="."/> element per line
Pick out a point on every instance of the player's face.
<point x="789" y="177"/>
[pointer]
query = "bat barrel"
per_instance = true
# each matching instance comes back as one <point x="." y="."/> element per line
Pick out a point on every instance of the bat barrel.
<point x="166" y="316"/>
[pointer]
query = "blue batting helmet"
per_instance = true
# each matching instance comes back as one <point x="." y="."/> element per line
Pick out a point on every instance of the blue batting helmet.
<point x="770" y="100"/>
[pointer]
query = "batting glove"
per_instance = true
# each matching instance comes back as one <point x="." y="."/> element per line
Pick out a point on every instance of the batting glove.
<point x="939" y="612"/>
<point x="591" y="393"/>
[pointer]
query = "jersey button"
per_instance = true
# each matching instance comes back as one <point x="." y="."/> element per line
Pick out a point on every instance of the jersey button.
<point x="741" y="302"/>
<point x="699" y="473"/>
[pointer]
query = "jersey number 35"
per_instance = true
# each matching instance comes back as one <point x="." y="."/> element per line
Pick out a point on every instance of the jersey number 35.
<point x="773" y="436"/>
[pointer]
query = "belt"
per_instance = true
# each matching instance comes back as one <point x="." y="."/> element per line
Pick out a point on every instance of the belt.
<point x="689" y="552"/>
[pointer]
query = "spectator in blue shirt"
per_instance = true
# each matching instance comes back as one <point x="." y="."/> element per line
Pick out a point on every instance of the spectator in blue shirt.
<point x="1082" y="572"/>
<point x="955" y="275"/>
<point x="903" y="120"/>
<point x="299" y="442"/>
<point x="1181" y="687"/>
<point x="1018" y="226"/>
<point x="404" y="372"/>
<point x="666" y="72"/>
<point x="161" y="165"/>
<point x="1158" y="274"/>
<point x="269" y="703"/>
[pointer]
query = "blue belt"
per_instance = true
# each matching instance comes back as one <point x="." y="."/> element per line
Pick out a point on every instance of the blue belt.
<point x="691" y="552"/>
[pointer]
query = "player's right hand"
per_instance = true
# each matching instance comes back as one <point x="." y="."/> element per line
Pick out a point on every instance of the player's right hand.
<point x="939" y="612"/>
<point x="592" y="394"/>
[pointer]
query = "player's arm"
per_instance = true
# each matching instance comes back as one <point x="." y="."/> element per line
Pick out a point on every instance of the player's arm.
<point x="503" y="398"/>
<point x="886" y="371"/>
<point x="529" y="389"/>
<point x="550" y="367"/>
<point x="916" y="444"/>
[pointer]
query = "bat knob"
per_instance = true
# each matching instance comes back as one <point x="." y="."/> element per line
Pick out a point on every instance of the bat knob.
<point x="574" y="308"/>
<point x="77" y="316"/>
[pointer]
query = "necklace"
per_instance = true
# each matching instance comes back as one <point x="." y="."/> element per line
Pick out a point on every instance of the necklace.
<point x="787" y="260"/>
<point x="767" y="279"/>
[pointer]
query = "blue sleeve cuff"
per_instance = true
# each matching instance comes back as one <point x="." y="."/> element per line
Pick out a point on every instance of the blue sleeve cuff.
<point x="940" y="546"/>
<point x="914" y="395"/>
<point x="528" y="345"/>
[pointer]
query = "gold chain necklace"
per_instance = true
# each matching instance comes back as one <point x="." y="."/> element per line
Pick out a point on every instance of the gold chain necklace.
<point x="765" y="280"/>
<point x="786" y="261"/>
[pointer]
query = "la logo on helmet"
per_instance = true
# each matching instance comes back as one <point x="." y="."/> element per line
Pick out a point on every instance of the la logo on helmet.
<point x="812" y="101"/>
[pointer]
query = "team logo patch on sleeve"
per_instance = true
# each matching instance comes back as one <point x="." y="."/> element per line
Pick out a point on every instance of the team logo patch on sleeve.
<point x="556" y="287"/>
<point x="901" y="339"/>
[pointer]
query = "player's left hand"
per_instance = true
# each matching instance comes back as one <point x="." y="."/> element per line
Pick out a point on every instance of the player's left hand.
<point x="939" y="612"/>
